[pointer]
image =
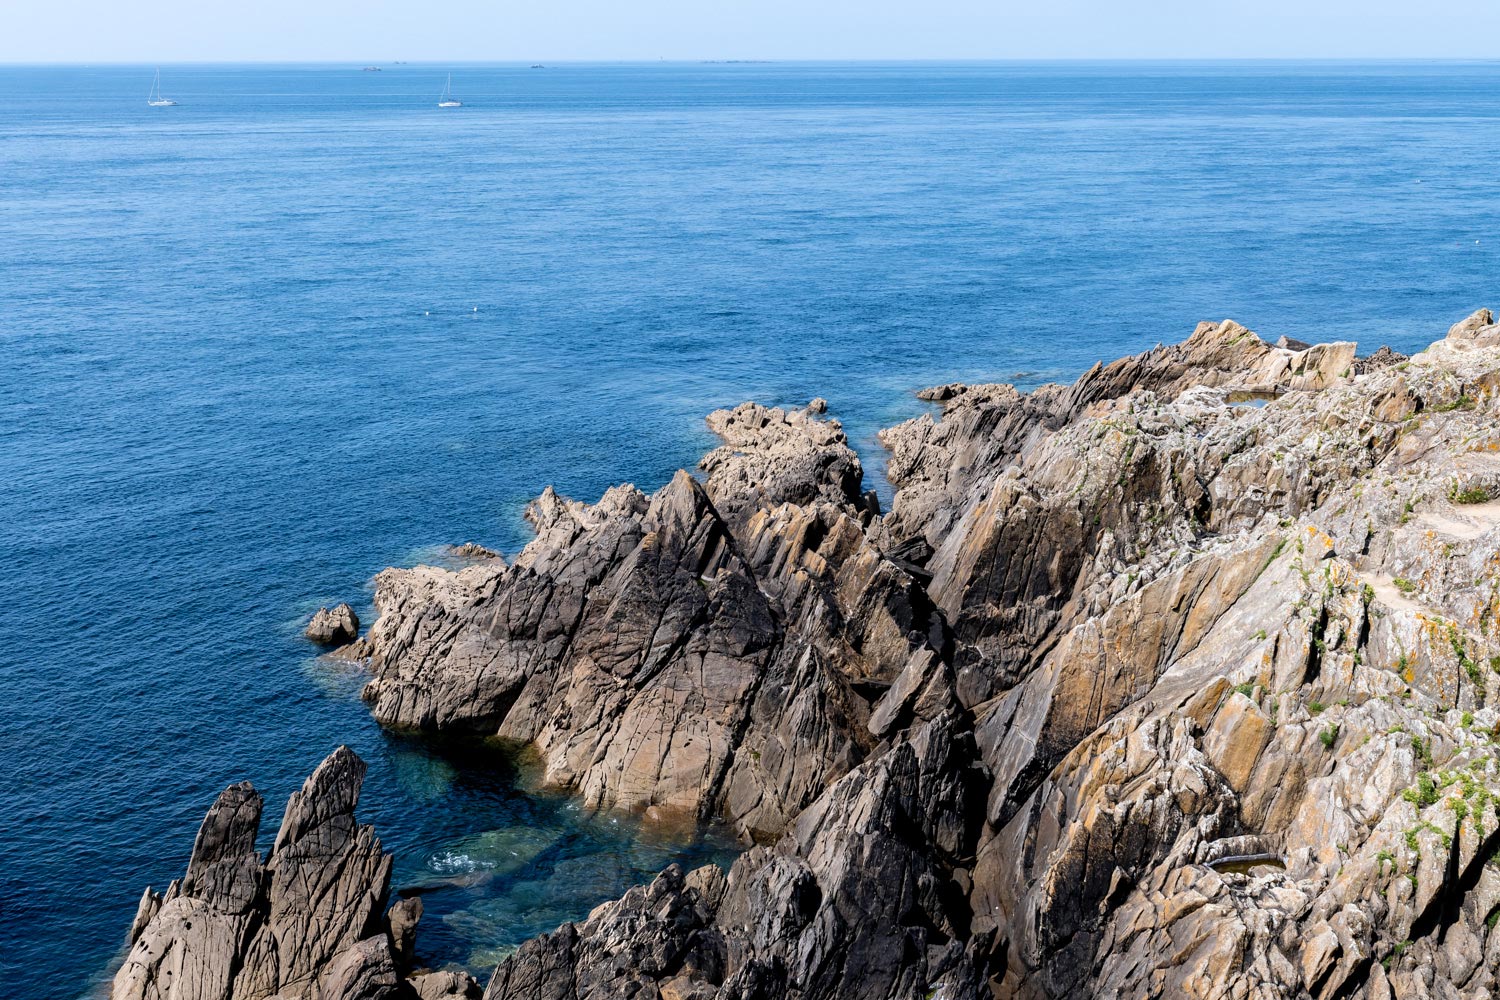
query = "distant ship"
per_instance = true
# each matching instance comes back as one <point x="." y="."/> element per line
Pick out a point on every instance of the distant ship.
<point x="537" y="66"/>
<point x="154" y="98"/>
<point x="449" y="101"/>
<point x="372" y="69"/>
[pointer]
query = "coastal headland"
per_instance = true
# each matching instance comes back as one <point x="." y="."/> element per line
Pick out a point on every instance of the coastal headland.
<point x="1172" y="682"/>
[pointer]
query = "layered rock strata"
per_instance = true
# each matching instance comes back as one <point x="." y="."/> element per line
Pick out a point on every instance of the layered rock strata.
<point x="714" y="650"/>
<point x="1174" y="682"/>
<point x="307" y="921"/>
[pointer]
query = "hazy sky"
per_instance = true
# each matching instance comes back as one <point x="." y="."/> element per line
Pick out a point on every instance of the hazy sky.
<point x="451" y="30"/>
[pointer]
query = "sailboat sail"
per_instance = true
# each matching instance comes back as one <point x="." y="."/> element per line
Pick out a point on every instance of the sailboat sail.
<point x="154" y="98"/>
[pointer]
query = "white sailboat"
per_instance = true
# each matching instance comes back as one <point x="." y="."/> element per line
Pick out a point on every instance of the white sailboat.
<point x="449" y="101"/>
<point x="154" y="98"/>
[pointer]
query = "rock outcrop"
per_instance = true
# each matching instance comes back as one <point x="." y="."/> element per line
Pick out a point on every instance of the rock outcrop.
<point x="333" y="626"/>
<point x="707" y="652"/>
<point x="1180" y="681"/>
<point x="306" y="922"/>
<point x="473" y="550"/>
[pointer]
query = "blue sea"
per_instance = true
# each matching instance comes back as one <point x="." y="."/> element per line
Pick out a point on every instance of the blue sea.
<point x="305" y="325"/>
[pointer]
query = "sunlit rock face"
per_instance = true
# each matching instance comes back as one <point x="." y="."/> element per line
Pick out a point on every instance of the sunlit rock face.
<point x="307" y="920"/>
<point x="1172" y="682"/>
<point x="707" y="652"/>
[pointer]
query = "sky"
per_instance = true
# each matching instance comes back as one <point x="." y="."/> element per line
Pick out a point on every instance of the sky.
<point x="165" y="31"/>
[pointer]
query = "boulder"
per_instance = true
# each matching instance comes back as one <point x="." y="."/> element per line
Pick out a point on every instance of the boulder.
<point x="333" y="626"/>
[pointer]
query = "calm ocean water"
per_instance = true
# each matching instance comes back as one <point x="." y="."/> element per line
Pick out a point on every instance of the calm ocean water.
<point x="305" y="325"/>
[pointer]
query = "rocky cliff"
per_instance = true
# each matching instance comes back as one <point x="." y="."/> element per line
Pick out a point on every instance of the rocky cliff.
<point x="1171" y="682"/>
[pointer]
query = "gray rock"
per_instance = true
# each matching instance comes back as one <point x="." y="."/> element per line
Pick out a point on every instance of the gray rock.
<point x="1109" y="633"/>
<point x="439" y="985"/>
<point x="333" y="626"/>
<point x="1008" y="739"/>
<point x="401" y="925"/>
<point x="303" y="922"/>
<point x="664" y="656"/>
<point x="850" y="904"/>
<point x="1384" y="357"/>
<point x="473" y="550"/>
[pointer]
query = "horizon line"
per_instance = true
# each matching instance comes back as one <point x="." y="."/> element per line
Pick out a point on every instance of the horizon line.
<point x="700" y="61"/>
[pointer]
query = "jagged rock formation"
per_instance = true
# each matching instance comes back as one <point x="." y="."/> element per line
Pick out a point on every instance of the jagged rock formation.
<point x="333" y="626"/>
<point x="708" y="651"/>
<point x="852" y="902"/>
<point x="307" y="922"/>
<point x="1383" y="358"/>
<point x="1180" y="681"/>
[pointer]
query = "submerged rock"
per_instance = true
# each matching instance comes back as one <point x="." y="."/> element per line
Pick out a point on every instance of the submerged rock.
<point x="473" y="550"/>
<point x="1137" y="690"/>
<point x="333" y="626"/>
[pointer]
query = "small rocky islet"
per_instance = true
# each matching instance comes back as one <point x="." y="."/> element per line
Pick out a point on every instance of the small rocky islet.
<point x="1174" y="682"/>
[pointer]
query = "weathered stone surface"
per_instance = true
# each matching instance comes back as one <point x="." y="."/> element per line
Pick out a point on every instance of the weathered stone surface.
<point x="439" y="985"/>
<point x="705" y="652"/>
<point x="1333" y="753"/>
<point x="1218" y="600"/>
<point x="1180" y="681"/>
<point x="401" y="925"/>
<point x="305" y="922"/>
<point x="772" y="456"/>
<point x="473" y="550"/>
<point x="333" y="626"/>
<point x="1384" y="357"/>
<point x="850" y="903"/>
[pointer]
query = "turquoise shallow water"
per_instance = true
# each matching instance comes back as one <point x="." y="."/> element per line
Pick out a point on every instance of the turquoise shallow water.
<point x="305" y="325"/>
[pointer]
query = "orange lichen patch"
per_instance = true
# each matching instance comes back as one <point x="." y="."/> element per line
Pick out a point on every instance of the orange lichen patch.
<point x="1341" y="573"/>
<point x="1318" y="537"/>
